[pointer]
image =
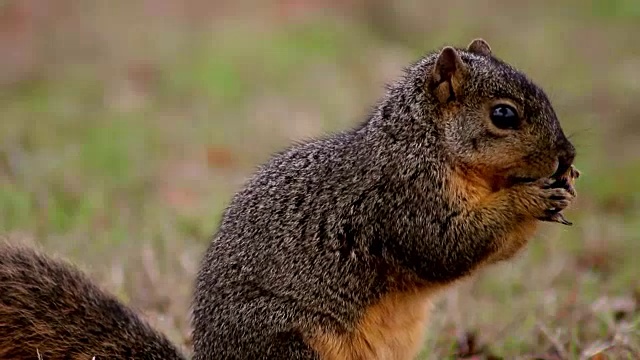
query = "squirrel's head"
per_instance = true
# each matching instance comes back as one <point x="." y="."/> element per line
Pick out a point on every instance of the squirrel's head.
<point x="490" y="117"/>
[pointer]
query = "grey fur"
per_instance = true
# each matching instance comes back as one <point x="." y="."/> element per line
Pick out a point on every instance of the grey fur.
<point x="328" y="226"/>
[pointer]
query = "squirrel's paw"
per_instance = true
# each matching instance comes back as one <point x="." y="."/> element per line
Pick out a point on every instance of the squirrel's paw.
<point x="542" y="200"/>
<point x="567" y="180"/>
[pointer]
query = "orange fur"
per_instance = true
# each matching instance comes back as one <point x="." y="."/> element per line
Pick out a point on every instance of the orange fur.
<point x="472" y="186"/>
<point x="513" y="243"/>
<point x="477" y="188"/>
<point x="391" y="329"/>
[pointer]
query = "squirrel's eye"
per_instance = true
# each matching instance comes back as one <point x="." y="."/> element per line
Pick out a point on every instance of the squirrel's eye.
<point x="505" y="117"/>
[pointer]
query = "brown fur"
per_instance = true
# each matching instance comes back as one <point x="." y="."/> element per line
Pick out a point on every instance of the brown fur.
<point x="50" y="309"/>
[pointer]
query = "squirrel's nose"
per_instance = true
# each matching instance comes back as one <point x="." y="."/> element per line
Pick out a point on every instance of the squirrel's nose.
<point x="566" y="154"/>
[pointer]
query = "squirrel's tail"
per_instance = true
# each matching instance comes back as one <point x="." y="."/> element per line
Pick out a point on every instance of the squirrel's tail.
<point x="51" y="310"/>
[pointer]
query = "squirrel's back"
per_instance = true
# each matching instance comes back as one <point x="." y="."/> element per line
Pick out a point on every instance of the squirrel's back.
<point x="51" y="310"/>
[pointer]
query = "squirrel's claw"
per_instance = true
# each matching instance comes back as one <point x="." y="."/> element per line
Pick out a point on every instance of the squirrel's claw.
<point x="559" y="218"/>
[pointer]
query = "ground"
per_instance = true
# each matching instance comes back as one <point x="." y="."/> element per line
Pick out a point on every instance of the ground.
<point x="125" y="130"/>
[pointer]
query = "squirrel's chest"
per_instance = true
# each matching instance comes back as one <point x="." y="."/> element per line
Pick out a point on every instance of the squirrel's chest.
<point x="392" y="329"/>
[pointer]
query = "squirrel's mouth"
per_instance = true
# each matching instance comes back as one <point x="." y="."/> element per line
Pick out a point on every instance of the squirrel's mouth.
<point x="560" y="170"/>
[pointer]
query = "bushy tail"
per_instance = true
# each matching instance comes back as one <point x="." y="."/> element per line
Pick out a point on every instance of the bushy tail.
<point x="51" y="310"/>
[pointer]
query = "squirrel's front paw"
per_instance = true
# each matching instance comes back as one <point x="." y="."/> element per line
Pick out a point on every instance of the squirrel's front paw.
<point x="541" y="200"/>
<point x="566" y="181"/>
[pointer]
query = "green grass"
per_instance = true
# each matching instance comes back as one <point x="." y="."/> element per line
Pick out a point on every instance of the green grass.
<point x="128" y="175"/>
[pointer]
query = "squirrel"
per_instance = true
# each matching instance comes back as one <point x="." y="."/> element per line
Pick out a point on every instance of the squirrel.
<point x="336" y="246"/>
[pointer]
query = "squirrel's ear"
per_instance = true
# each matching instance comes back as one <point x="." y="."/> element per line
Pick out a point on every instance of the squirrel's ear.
<point x="448" y="74"/>
<point x="479" y="47"/>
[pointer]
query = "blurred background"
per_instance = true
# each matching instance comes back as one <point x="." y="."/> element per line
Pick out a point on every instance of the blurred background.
<point x="126" y="126"/>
